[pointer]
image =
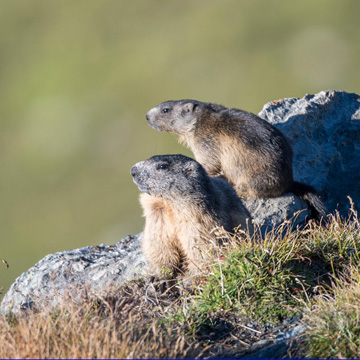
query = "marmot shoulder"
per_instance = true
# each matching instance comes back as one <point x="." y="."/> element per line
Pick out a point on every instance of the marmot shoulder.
<point x="253" y="155"/>
<point x="186" y="212"/>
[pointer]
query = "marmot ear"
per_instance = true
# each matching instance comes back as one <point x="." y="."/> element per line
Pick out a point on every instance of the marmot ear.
<point x="188" y="108"/>
<point x="190" y="168"/>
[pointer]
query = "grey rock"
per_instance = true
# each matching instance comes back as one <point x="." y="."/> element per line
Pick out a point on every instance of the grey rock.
<point x="261" y="343"/>
<point x="268" y="213"/>
<point x="287" y="335"/>
<point x="324" y="132"/>
<point x="88" y="270"/>
<point x="278" y="348"/>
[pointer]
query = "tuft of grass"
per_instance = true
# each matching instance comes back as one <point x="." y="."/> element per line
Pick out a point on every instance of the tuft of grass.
<point x="261" y="279"/>
<point x="277" y="277"/>
<point x="113" y="327"/>
<point x="335" y="247"/>
<point x="334" y="322"/>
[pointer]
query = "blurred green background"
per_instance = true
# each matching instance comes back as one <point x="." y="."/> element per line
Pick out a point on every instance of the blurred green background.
<point x="77" y="77"/>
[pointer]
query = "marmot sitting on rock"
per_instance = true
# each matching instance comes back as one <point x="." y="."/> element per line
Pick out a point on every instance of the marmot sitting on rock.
<point x="250" y="153"/>
<point x="187" y="212"/>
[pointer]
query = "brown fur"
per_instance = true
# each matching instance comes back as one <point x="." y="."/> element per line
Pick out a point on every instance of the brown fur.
<point x="187" y="213"/>
<point x="250" y="153"/>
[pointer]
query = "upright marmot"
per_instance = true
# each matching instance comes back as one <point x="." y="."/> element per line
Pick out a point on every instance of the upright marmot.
<point x="187" y="212"/>
<point x="250" y="153"/>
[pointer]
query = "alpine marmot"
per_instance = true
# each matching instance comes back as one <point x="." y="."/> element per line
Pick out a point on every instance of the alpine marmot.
<point x="188" y="213"/>
<point x="250" y="153"/>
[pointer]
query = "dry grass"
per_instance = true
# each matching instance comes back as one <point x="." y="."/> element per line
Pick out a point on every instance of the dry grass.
<point x="334" y="322"/>
<point x="115" y="327"/>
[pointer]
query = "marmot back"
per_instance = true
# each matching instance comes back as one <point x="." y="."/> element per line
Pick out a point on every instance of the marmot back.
<point x="250" y="153"/>
<point x="183" y="206"/>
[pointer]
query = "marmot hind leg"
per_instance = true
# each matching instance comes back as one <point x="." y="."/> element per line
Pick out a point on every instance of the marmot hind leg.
<point x="260" y="187"/>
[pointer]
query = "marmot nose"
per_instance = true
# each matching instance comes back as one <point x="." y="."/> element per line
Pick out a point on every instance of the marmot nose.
<point x="133" y="170"/>
<point x="147" y="117"/>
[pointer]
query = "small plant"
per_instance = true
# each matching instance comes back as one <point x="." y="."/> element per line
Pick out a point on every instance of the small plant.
<point x="276" y="277"/>
<point x="261" y="279"/>
<point x="334" y="322"/>
<point x="335" y="247"/>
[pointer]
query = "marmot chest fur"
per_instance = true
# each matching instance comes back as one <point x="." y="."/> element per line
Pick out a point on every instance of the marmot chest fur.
<point x="254" y="156"/>
<point x="182" y="207"/>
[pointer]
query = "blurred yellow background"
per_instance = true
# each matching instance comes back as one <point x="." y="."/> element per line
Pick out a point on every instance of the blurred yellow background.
<point x="77" y="77"/>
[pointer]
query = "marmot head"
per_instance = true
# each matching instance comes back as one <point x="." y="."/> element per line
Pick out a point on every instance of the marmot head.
<point x="174" y="116"/>
<point x="170" y="176"/>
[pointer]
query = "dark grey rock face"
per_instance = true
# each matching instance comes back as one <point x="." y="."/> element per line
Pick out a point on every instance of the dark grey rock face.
<point x="269" y="212"/>
<point x="92" y="269"/>
<point x="324" y="132"/>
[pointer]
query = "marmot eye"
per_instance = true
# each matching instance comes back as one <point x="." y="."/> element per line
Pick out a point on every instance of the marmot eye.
<point x="165" y="110"/>
<point x="162" y="167"/>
